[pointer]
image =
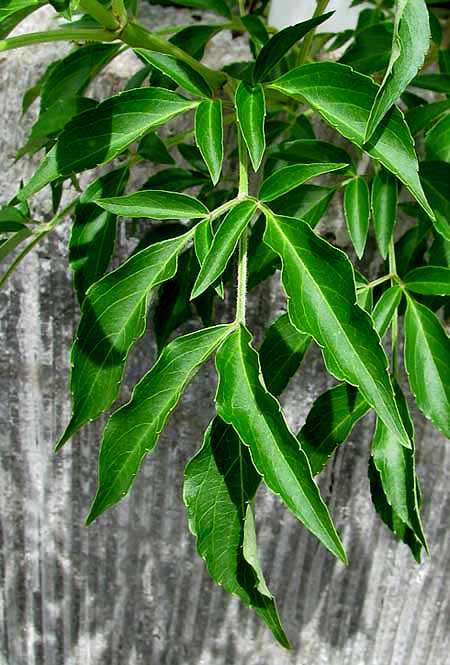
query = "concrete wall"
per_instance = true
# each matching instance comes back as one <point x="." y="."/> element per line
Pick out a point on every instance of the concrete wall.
<point x="130" y="590"/>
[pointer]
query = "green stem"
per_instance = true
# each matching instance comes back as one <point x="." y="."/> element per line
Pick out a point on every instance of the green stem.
<point x="241" y="301"/>
<point x="57" y="36"/>
<point x="100" y="13"/>
<point x="119" y="12"/>
<point x="394" y="324"/>
<point x="376" y="282"/>
<point x="307" y="41"/>
<point x="241" y="7"/>
<point x="38" y="237"/>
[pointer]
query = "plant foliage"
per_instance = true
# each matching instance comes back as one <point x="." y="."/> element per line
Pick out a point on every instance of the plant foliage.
<point x="232" y="216"/>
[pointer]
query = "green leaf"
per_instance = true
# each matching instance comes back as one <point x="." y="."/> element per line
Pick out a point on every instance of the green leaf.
<point x="385" y="307"/>
<point x="420" y="117"/>
<point x="357" y="213"/>
<point x="133" y="430"/>
<point x="384" y="208"/>
<point x="437" y="140"/>
<point x="277" y="47"/>
<point x="410" y="44"/>
<point x="12" y="242"/>
<point x="124" y="118"/>
<point x="251" y="112"/>
<point x="11" y="226"/>
<point x="209" y="135"/>
<point x="344" y="99"/>
<point x="194" y="38"/>
<point x="243" y="402"/>
<point x="94" y="231"/>
<point x="307" y="202"/>
<point x="153" y="148"/>
<point x="436" y="182"/>
<point x="70" y="76"/>
<point x="281" y="354"/>
<point x="223" y="245"/>
<point x="178" y="71"/>
<point x="429" y="280"/>
<point x="427" y="357"/>
<point x="113" y="317"/>
<point x="396" y="467"/>
<point x="155" y="204"/>
<point x="257" y="31"/>
<point x="13" y="12"/>
<point x="433" y="81"/>
<point x="289" y="177"/>
<point x="221" y="481"/>
<point x="329" y="423"/>
<point x="319" y="283"/>
<point x="193" y="156"/>
<point x="217" y="6"/>
<point x="369" y="52"/>
<point x="308" y="151"/>
<point x="175" y="180"/>
<point x="203" y="240"/>
<point x="54" y="119"/>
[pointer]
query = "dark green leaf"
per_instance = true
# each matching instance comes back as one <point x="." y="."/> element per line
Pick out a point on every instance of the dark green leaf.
<point x="344" y="99"/>
<point x="217" y="6"/>
<point x="175" y="180"/>
<point x="410" y="44"/>
<point x="113" y="317"/>
<point x="329" y="423"/>
<point x="209" y="135"/>
<point x="281" y="353"/>
<point x="429" y="280"/>
<point x="251" y="112"/>
<point x="384" y="208"/>
<point x="221" y="481"/>
<point x="369" y="52"/>
<point x="133" y="430"/>
<point x="178" y="71"/>
<point x="281" y="43"/>
<point x="385" y="307"/>
<point x="13" y="12"/>
<point x="224" y="244"/>
<point x="319" y="283"/>
<point x="433" y="81"/>
<point x="153" y="148"/>
<point x="194" y="38"/>
<point x="420" y="117"/>
<point x="155" y="204"/>
<point x="396" y="467"/>
<point x="289" y="177"/>
<point x="437" y="140"/>
<point x="427" y="358"/>
<point x="357" y="213"/>
<point x="436" y="181"/>
<point x="257" y="31"/>
<point x="94" y="231"/>
<point x="54" y="119"/>
<point x="309" y="151"/>
<point x="12" y="242"/>
<point x="193" y="156"/>
<point x="307" y="202"/>
<point x="243" y="402"/>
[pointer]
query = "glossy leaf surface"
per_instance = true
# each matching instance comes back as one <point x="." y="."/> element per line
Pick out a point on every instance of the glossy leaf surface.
<point x="155" y="204"/>
<point x="429" y="280"/>
<point x="385" y="307"/>
<point x="209" y="135"/>
<point x="384" y="208"/>
<point x="243" y="402"/>
<point x="251" y="112"/>
<point x="357" y="213"/>
<point x="289" y="177"/>
<point x="178" y="71"/>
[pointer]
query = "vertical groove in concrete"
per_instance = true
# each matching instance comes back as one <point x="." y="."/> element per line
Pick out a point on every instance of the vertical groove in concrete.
<point x="130" y="590"/>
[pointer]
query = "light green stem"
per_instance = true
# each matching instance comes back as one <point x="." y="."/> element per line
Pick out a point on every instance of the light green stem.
<point x="119" y="12"/>
<point x="100" y="13"/>
<point x="56" y="36"/>
<point x="307" y="41"/>
<point x="241" y="300"/>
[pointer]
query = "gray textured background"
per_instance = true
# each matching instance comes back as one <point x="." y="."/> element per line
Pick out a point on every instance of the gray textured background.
<point x="130" y="589"/>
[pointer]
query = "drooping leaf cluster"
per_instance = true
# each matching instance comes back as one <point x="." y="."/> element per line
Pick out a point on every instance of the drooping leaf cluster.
<point x="382" y="89"/>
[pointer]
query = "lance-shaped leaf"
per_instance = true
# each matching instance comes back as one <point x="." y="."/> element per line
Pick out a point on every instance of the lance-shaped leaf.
<point x="209" y="135"/>
<point x="281" y="43"/>
<point x="436" y="181"/>
<point x="133" y="430"/>
<point x="113" y="317"/>
<point x="344" y="99"/>
<point x="94" y="231"/>
<point x="357" y="213"/>
<point x="251" y="112"/>
<point x="203" y="240"/>
<point x="178" y="71"/>
<point x="427" y="358"/>
<point x="313" y="151"/>
<point x="369" y="51"/>
<point x="410" y="44"/>
<point x="388" y="515"/>
<point x="224" y="244"/>
<point x="289" y="177"/>
<point x="175" y="180"/>
<point x="437" y="140"/>
<point x="329" y="423"/>
<point x="243" y="402"/>
<point x="99" y="135"/>
<point x="319" y="283"/>
<point x="155" y="204"/>
<point x="429" y="280"/>
<point x="432" y="81"/>
<point x="153" y="148"/>
<point x="421" y="117"/>
<point x="14" y="11"/>
<point x="384" y="208"/>
<point x="220" y="483"/>
<point x="281" y="353"/>
<point x="396" y="467"/>
<point x="385" y="307"/>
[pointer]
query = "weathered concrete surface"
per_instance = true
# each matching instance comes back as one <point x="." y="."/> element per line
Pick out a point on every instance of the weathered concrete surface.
<point x="130" y="590"/>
